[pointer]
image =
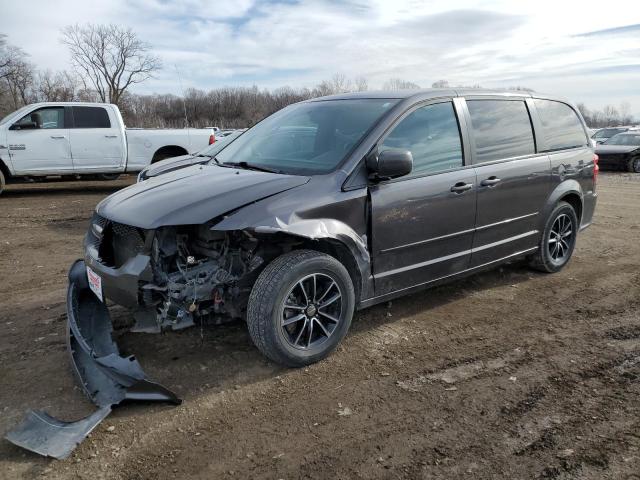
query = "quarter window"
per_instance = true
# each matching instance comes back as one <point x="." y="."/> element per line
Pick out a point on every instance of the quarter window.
<point x="560" y="125"/>
<point x="90" y="117"/>
<point x="501" y="129"/>
<point x="432" y="136"/>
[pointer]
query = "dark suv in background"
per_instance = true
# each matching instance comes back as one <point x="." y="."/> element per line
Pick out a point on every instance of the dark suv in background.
<point x="336" y="204"/>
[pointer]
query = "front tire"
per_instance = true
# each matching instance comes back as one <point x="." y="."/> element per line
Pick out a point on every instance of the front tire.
<point x="300" y="307"/>
<point x="558" y="240"/>
<point x="634" y="165"/>
<point x="2" y="182"/>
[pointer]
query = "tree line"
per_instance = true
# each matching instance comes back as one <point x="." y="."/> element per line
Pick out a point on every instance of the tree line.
<point x="107" y="60"/>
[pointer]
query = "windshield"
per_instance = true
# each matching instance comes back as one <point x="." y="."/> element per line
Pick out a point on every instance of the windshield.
<point x="624" y="139"/>
<point x="306" y="138"/>
<point x="608" y="132"/>
<point x="17" y="113"/>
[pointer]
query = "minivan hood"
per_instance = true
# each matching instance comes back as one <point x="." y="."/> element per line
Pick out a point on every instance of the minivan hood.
<point x="192" y="195"/>
<point x="616" y="148"/>
<point x="174" y="163"/>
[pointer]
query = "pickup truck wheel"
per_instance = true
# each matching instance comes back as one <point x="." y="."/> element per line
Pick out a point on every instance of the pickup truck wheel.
<point x="300" y="307"/>
<point x="634" y="165"/>
<point x="2" y="182"/>
<point x="108" y="176"/>
<point x="558" y="240"/>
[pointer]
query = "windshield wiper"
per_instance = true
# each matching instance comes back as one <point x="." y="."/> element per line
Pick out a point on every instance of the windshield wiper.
<point x="212" y="157"/>
<point x="251" y="166"/>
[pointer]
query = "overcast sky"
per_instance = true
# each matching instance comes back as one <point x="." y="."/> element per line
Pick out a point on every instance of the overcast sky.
<point x="588" y="53"/>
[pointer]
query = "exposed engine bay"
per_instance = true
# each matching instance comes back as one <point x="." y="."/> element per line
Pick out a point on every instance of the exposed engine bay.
<point x="199" y="276"/>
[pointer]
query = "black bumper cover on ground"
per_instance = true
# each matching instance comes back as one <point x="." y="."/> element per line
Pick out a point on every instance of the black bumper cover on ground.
<point x="107" y="378"/>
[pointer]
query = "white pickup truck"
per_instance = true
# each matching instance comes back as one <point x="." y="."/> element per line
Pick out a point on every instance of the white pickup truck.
<point x="85" y="139"/>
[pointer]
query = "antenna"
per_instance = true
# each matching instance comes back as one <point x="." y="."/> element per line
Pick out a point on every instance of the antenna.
<point x="184" y="103"/>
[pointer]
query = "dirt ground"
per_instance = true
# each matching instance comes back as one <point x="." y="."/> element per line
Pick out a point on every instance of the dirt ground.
<point x="507" y="374"/>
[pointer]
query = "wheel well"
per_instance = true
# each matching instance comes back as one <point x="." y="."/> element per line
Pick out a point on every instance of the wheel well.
<point x="575" y="201"/>
<point x="168" y="152"/>
<point x="4" y="170"/>
<point x="284" y="242"/>
<point x="340" y="252"/>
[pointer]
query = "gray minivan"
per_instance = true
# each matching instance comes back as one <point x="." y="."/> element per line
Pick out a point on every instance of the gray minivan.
<point x="325" y="207"/>
<point x="336" y="204"/>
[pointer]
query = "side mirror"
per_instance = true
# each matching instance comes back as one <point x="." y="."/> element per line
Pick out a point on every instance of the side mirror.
<point x="392" y="163"/>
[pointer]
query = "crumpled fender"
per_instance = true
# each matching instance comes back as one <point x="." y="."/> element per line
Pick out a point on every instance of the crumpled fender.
<point x="317" y="229"/>
<point x="107" y="378"/>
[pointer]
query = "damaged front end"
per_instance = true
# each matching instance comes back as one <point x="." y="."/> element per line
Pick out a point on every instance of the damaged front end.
<point x="199" y="276"/>
<point x="170" y="278"/>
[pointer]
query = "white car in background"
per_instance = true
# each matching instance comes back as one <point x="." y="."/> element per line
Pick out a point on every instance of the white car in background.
<point x="80" y="139"/>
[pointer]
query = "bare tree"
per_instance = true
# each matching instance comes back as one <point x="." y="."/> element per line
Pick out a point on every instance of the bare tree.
<point x="361" y="84"/>
<point x="341" y="84"/>
<point x="19" y="81"/>
<point x="110" y="58"/>
<point x="440" y="84"/>
<point x="399" y="84"/>
<point x="611" y="115"/>
<point x="59" y="87"/>
<point x="625" y="113"/>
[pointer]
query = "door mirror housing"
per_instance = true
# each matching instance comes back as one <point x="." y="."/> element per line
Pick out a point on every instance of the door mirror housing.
<point x="389" y="164"/>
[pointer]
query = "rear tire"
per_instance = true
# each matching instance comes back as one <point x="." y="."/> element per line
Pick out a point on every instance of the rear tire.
<point x="300" y="307"/>
<point x="2" y="182"/>
<point x="557" y="240"/>
<point x="634" y="165"/>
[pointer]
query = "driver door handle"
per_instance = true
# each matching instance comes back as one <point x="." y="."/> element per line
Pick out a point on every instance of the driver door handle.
<point x="461" y="187"/>
<point x="111" y="136"/>
<point x="490" y="182"/>
<point x="57" y="136"/>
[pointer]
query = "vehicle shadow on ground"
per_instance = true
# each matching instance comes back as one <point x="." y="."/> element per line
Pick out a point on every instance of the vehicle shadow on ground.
<point x="209" y="360"/>
<point x="217" y="358"/>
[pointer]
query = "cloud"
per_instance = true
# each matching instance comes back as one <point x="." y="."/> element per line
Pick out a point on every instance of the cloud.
<point x="496" y="43"/>
<point x="612" y="31"/>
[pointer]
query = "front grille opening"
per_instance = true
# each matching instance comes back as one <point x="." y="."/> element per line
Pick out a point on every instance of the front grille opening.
<point x="106" y="247"/>
<point x="120" y="243"/>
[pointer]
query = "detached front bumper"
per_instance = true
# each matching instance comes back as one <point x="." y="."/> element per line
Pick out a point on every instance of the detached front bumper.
<point x="120" y="284"/>
<point x="107" y="378"/>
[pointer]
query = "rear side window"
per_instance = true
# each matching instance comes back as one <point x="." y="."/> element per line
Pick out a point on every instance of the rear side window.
<point x="90" y="117"/>
<point x="432" y="136"/>
<point x="561" y="126"/>
<point x="501" y="129"/>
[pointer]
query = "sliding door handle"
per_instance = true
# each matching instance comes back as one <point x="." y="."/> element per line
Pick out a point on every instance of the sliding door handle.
<point x="58" y="137"/>
<point x="111" y="136"/>
<point x="461" y="187"/>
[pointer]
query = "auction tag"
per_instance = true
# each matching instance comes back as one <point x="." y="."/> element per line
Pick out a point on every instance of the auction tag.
<point x="95" y="283"/>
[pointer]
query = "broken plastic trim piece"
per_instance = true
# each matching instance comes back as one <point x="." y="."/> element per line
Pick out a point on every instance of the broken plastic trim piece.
<point x="50" y="437"/>
<point x="107" y="378"/>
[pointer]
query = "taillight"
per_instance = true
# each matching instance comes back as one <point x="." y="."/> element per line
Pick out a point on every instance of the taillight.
<point x="212" y="139"/>
<point x="596" y="168"/>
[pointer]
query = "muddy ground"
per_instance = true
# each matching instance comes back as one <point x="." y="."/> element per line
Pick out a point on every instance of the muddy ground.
<point x="508" y="374"/>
